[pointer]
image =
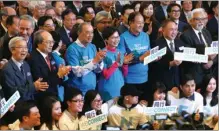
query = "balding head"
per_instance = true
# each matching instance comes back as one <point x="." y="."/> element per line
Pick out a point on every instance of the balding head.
<point x="5" y="12"/>
<point x="10" y="11"/>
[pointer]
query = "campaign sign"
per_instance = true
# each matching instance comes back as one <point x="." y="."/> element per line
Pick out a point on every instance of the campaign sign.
<point x="154" y="50"/>
<point x="211" y="50"/>
<point x="11" y="101"/>
<point x="155" y="55"/>
<point x="95" y="121"/>
<point x="160" y="110"/>
<point x="90" y="114"/>
<point x="159" y="103"/>
<point x="191" y="57"/>
<point x="188" y="50"/>
<point x="2" y="103"/>
<point x="214" y="44"/>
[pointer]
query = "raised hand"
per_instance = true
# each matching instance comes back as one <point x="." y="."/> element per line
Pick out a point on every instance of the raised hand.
<point x="63" y="71"/>
<point x="99" y="56"/>
<point x="128" y="58"/>
<point x="41" y="86"/>
<point x="197" y="116"/>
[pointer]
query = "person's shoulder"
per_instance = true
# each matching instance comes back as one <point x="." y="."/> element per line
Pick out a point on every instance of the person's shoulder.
<point x="198" y="96"/>
<point x="139" y="108"/>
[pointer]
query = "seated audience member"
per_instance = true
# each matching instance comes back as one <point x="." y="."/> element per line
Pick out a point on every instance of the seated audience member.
<point x="151" y="25"/>
<point x="46" y="23"/>
<point x="136" y="6"/>
<point x="16" y="73"/>
<point x="50" y="11"/>
<point x="185" y="15"/>
<point x="209" y="92"/>
<point x="127" y="113"/>
<point x="79" y="20"/>
<point x="12" y="31"/>
<point x="161" y="11"/>
<point x="198" y="37"/>
<point x="212" y="25"/>
<point x="115" y="66"/>
<point x="50" y="110"/>
<point x="189" y="102"/>
<point x="84" y="59"/>
<point x="28" y="116"/>
<point x="126" y="10"/>
<point x="43" y="64"/>
<point x="59" y="7"/>
<point x="73" y="104"/>
<point x="22" y="8"/>
<point x="88" y="13"/>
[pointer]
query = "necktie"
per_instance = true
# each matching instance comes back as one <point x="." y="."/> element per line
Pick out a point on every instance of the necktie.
<point x="172" y="47"/>
<point x="48" y="62"/>
<point x="200" y="38"/>
<point x="22" y="71"/>
<point x="69" y="36"/>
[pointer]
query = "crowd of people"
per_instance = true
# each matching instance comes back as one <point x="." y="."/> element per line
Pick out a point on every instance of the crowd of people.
<point x="66" y="58"/>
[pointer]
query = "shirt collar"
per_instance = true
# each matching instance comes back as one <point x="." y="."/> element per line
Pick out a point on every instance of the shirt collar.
<point x="168" y="41"/>
<point x="120" y="103"/>
<point x="196" y="31"/>
<point x="134" y="34"/>
<point x="4" y="27"/>
<point x="78" y="42"/>
<point x="111" y="49"/>
<point x="70" y="116"/>
<point x="43" y="54"/>
<point x="17" y="63"/>
<point x="67" y="31"/>
<point x="191" y="98"/>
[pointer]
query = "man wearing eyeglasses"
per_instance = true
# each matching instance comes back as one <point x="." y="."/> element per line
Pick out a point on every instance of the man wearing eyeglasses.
<point x="198" y="37"/>
<point x="43" y="64"/>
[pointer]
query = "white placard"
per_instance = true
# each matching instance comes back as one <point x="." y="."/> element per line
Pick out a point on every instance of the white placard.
<point x="188" y="50"/>
<point x="11" y="101"/>
<point x="211" y="50"/>
<point x="95" y="121"/>
<point x="159" y="103"/>
<point x="90" y="114"/>
<point x="191" y="57"/>
<point x="154" y="50"/>
<point x="2" y="103"/>
<point x="160" y="110"/>
<point x="154" y="56"/>
<point x="214" y="44"/>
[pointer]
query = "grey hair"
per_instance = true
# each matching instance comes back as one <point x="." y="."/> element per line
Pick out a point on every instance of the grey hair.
<point x="13" y="41"/>
<point x="33" y="4"/>
<point x="37" y="39"/>
<point x="80" y="27"/>
<point x="101" y="15"/>
<point x="29" y="18"/>
<point x="197" y="10"/>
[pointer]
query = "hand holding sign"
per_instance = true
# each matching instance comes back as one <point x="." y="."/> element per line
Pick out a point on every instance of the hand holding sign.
<point x="141" y="58"/>
<point x="197" y="116"/>
<point x="208" y="65"/>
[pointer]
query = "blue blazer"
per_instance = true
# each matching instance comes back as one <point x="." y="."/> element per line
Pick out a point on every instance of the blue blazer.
<point x="64" y="36"/>
<point x="13" y="80"/>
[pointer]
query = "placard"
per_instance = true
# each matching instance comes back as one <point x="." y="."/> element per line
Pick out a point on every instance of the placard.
<point x="188" y="50"/>
<point x="90" y="114"/>
<point x="95" y="121"/>
<point x="154" y="50"/>
<point x="159" y="103"/>
<point x="191" y="57"/>
<point x="211" y="50"/>
<point x="154" y="56"/>
<point x="214" y="44"/>
<point x="160" y="110"/>
<point x="11" y="101"/>
<point x="2" y="103"/>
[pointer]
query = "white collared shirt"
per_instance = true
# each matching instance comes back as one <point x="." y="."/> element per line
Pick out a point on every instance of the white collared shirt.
<point x="188" y="15"/>
<point x="165" y="10"/>
<point x="78" y="42"/>
<point x="196" y="32"/>
<point x="35" y="20"/>
<point x="78" y="7"/>
<point x="17" y="63"/>
<point x="168" y="43"/>
<point x="4" y="27"/>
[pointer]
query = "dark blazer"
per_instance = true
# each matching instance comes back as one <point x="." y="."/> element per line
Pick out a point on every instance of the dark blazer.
<point x="183" y="17"/>
<point x="13" y="80"/>
<point x="4" y="49"/>
<point x="191" y="39"/>
<point x="182" y="26"/>
<point x="40" y="69"/>
<point x="64" y="36"/>
<point x="2" y="30"/>
<point x="170" y="76"/>
<point x="71" y="6"/>
<point x="98" y="40"/>
<point x="212" y="27"/>
<point x="159" y="14"/>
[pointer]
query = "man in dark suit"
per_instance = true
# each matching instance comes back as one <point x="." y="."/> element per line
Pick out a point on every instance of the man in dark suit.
<point x="75" y="6"/>
<point x="102" y="20"/>
<point x="16" y="73"/>
<point x="173" y="11"/>
<point x="198" y="37"/>
<point x="42" y="63"/>
<point x="69" y="20"/>
<point x="212" y="25"/>
<point x="161" y="11"/>
<point x="186" y="11"/>
<point x="168" y="69"/>
<point x="12" y="27"/>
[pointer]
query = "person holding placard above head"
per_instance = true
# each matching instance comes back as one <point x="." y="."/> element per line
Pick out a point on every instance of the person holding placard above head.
<point x="189" y="102"/>
<point x="167" y="66"/>
<point x="209" y="92"/>
<point x="127" y="113"/>
<point x="198" y="37"/>
<point x="115" y="66"/>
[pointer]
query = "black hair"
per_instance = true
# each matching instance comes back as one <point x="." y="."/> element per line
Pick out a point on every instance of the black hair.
<point x="9" y="3"/>
<point x="10" y="19"/>
<point x="74" y="32"/>
<point x="134" y="4"/>
<point x="23" y="108"/>
<point x="185" y="78"/>
<point x="53" y="3"/>
<point x="170" y="6"/>
<point x="84" y="10"/>
<point x="213" y="5"/>
<point x="66" y="12"/>
<point x="126" y="7"/>
<point x="43" y="19"/>
<point x="204" y="86"/>
<point x="88" y="99"/>
<point x="108" y="31"/>
<point x="45" y="107"/>
<point x="144" y="5"/>
<point x="166" y="22"/>
<point x="132" y="16"/>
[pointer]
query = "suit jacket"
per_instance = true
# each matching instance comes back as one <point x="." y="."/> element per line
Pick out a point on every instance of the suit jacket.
<point x="2" y="30"/>
<point x="98" y="40"/>
<point x="64" y="36"/>
<point x="191" y="39"/>
<point x="13" y="80"/>
<point x="182" y="26"/>
<point x="212" y="27"/>
<point x="40" y="69"/>
<point x="4" y="49"/>
<point x="159" y="14"/>
<point x="170" y="76"/>
<point x="183" y="17"/>
<point x="73" y="8"/>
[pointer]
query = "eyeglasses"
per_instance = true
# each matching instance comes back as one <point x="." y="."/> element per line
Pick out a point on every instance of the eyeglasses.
<point x="78" y="101"/>
<point x="199" y="19"/>
<point x="49" y="26"/>
<point x="98" y="101"/>
<point x="20" y="47"/>
<point x="115" y="37"/>
<point x="175" y="11"/>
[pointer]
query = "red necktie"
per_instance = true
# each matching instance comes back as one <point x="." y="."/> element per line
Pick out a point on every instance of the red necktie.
<point x="48" y="62"/>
